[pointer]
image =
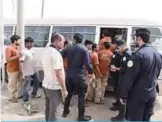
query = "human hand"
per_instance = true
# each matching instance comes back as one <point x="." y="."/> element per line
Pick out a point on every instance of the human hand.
<point x="64" y="93"/>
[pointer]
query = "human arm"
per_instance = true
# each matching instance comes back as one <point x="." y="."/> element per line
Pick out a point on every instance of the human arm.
<point x="132" y="71"/>
<point x="95" y="62"/>
<point x="87" y="62"/>
<point x="59" y="70"/>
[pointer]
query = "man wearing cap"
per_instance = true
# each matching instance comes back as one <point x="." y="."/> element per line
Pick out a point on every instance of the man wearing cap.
<point x="114" y="76"/>
<point x="140" y="80"/>
<point x="78" y="58"/>
<point x="126" y="53"/>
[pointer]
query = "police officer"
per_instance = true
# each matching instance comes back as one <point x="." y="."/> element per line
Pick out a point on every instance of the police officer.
<point x="114" y="76"/>
<point x="140" y="80"/>
<point x="126" y="53"/>
<point x="77" y="57"/>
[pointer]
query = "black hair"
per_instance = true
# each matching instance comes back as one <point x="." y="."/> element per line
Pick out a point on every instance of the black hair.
<point x="55" y="36"/>
<point x="144" y="34"/>
<point x="106" y="45"/>
<point x="66" y="42"/>
<point x="14" y="38"/>
<point x="29" y="39"/>
<point x="78" y="38"/>
<point x="88" y="42"/>
<point x="106" y="33"/>
<point x="120" y="42"/>
<point x="94" y="46"/>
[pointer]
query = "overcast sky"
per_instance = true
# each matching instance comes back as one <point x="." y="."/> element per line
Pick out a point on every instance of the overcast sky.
<point x="135" y="9"/>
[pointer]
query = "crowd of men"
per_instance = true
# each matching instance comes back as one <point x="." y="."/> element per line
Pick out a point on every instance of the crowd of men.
<point x="85" y="70"/>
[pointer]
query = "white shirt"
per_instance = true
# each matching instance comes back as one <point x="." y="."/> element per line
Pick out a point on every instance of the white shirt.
<point x="51" y="60"/>
<point x="28" y="65"/>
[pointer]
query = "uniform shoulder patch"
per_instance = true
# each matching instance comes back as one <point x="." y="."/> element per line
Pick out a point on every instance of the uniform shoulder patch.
<point x="113" y="56"/>
<point x="124" y="58"/>
<point x="130" y="63"/>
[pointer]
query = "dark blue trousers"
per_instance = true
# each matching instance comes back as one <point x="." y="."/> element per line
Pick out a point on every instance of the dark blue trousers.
<point x="140" y="110"/>
<point x="75" y="84"/>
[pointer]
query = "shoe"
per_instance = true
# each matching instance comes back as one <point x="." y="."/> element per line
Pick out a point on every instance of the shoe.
<point x="84" y="118"/>
<point x="115" y="104"/>
<point x="101" y="102"/>
<point x="65" y="113"/>
<point x="27" y="105"/>
<point x="118" y="118"/>
<point x="13" y="100"/>
<point x="114" y="108"/>
<point x="20" y="97"/>
<point x="36" y="96"/>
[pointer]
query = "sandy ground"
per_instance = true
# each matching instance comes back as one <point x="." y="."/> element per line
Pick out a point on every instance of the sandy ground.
<point x="14" y="111"/>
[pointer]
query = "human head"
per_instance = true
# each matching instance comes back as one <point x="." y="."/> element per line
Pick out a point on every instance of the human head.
<point x="57" y="40"/>
<point x="106" y="33"/>
<point x="15" y="40"/>
<point x="29" y="42"/>
<point x="88" y="44"/>
<point x="106" y="45"/>
<point x="121" y="46"/>
<point x="94" y="47"/>
<point x="78" y="38"/>
<point x="114" y="43"/>
<point x="142" y="36"/>
<point x="66" y="43"/>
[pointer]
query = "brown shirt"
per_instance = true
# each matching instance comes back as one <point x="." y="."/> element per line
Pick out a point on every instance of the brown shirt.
<point x="104" y="56"/>
<point x="12" y="66"/>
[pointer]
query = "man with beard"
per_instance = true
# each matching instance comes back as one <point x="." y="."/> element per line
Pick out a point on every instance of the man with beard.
<point x="140" y="80"/>
<point x="126" y="53"/>
<point x="15" y="83"/>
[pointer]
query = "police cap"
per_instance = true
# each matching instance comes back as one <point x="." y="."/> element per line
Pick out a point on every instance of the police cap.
<point x="120" y="42"/>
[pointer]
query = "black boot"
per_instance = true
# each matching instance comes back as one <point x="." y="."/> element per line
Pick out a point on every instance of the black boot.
<point x="65" y="113"/>
<point x="118" y="118"/>
<point x="82" y="117"/>
<point x="115" y="103"/>
<point x="114" y="108"/>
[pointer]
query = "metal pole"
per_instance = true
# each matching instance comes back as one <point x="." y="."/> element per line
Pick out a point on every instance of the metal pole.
<point x="2" y="44"/>
<point x="42" y="12"/>
<point x="20" y="21"/>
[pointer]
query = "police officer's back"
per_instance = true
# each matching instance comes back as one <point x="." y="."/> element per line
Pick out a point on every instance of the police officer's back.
<point x="77" y="57"/>
<point x="140" y="80"/>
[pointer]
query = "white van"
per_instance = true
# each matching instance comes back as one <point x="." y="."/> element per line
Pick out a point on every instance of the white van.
<point x="41" y="30"/>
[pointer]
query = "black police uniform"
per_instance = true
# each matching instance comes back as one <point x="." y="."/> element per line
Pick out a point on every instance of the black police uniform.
<point x="123" y="67"/>
<point x="115" y="75"/>
<point x="139" y="84"/>
<point x="77" y="57"/>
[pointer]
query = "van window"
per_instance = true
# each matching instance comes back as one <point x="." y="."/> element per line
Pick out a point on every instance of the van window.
<point x="40" y="34"/>
<point x="88" y="32"/>
<point x="8" y="30"/>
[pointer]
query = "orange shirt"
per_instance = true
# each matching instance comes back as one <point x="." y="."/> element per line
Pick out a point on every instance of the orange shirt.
<point x="104" y="56"/>
<point x="12" y="66"/>
<point x="65" y="63"/>
<point x="95" y="62"/>
<point x="101" y="42"/>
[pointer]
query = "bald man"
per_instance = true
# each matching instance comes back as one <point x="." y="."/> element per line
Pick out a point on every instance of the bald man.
<point x="54" y="78"/>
